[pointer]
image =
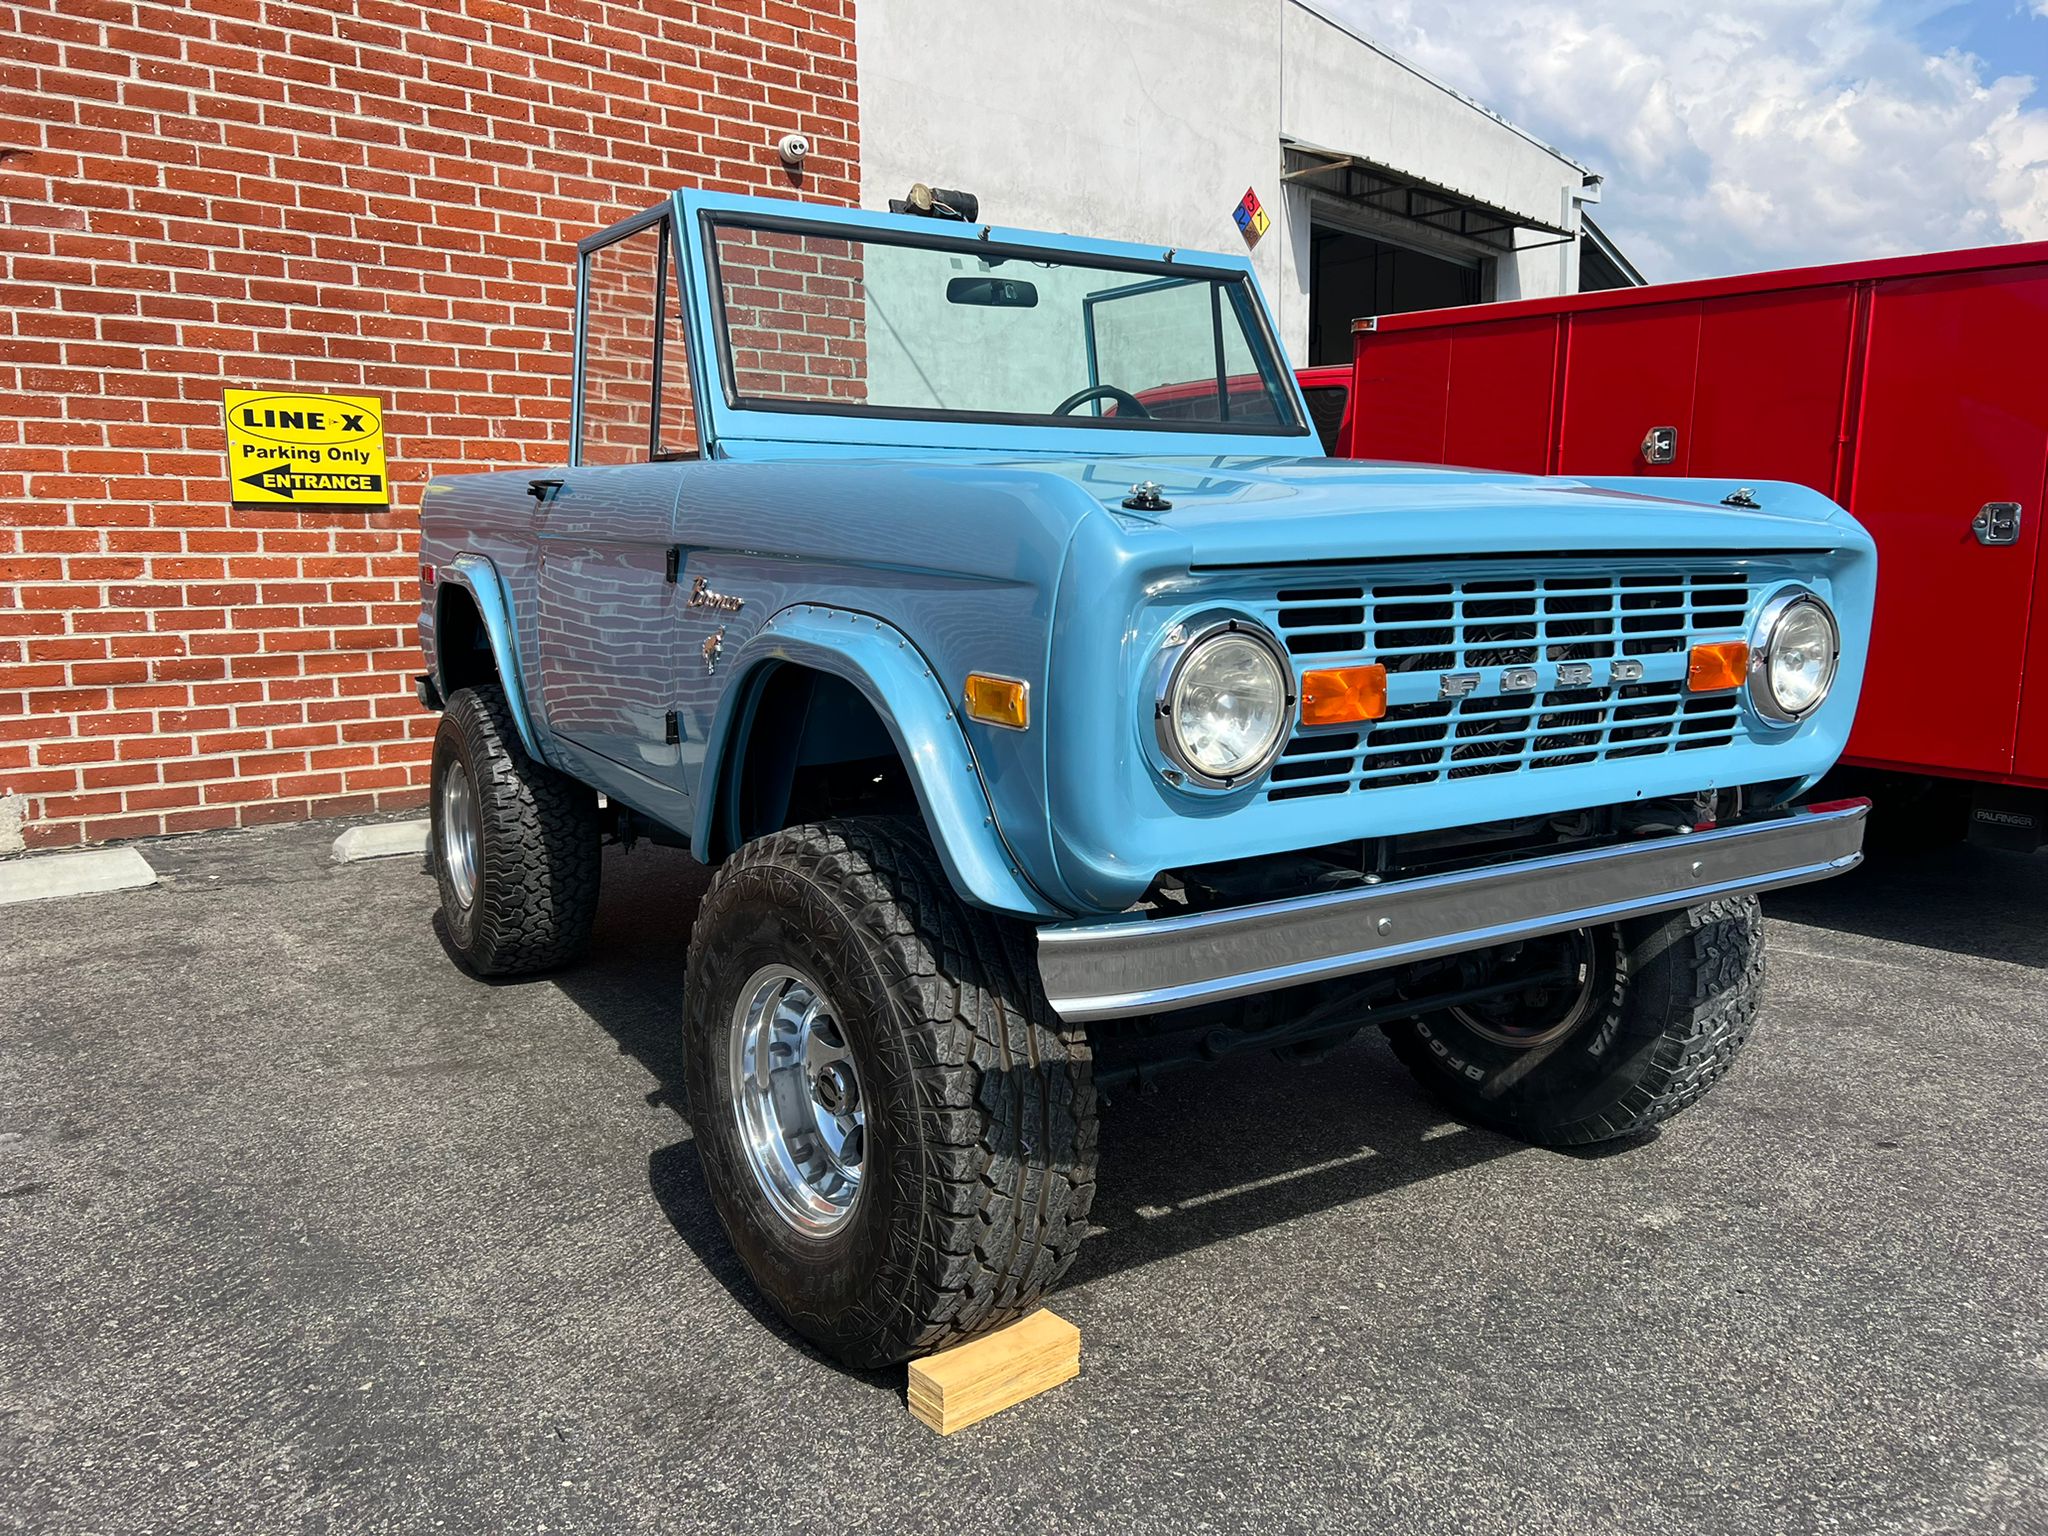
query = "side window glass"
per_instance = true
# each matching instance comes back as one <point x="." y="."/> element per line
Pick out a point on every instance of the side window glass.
<point x="620" y="282"/>
<point x="1179" y="345"/>
<point x="678" y="404"/>
<point x="1249" y="399"/>
<point x="1157" y="340"/>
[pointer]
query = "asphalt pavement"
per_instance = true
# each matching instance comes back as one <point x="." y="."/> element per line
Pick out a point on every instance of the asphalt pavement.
<point x="303" y="1229"/>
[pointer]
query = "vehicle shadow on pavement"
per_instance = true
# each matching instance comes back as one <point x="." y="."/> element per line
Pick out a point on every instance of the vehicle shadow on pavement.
<point x="1961" y="900"/>
<point x="1210" y="1156"/>
<point x="676" y="1176"/>
<point x="1215" y="1154"/>
<point x="632" y="987"/>
<point x="632" y="983"/>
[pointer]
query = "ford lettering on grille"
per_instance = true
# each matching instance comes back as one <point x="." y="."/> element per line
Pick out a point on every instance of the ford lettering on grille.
<point x="1509" y="671"/>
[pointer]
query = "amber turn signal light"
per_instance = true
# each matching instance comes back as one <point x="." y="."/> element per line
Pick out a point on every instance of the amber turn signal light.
<point x="1717" y="667"/>
<point x="1343" y="695"/>
<point x="998" y="701"/>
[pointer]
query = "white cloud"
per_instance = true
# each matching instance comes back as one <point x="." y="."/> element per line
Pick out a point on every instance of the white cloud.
<point x="1765" y="133"/>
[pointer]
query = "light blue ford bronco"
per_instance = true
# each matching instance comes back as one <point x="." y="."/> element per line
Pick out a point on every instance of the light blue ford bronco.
<point x="1053" y="714"/>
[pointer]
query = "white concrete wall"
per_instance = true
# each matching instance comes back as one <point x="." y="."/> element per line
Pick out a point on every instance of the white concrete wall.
<point x="1128" y="119"/>
<point x="1340" y="93"/>
<point x="1144" y="121"/>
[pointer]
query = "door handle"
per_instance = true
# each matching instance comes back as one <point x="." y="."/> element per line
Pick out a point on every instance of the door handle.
<point x="542" y="490"/>
<point x="1997" y="522"/>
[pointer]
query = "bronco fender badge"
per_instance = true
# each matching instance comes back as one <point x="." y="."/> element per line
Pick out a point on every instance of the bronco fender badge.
<point x="701" y="596"/>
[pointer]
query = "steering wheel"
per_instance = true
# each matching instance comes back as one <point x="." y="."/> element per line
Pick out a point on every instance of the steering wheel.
<point x="1125" y="400"/>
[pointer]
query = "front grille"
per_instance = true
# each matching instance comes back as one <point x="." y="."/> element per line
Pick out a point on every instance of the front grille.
<point x="1491" y="620"/>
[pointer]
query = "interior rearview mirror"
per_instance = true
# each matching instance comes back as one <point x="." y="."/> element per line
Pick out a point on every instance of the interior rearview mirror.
<point x="992" y="292"/>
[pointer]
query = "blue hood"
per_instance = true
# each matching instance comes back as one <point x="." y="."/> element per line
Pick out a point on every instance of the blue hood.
<point x="1238" y="511"/>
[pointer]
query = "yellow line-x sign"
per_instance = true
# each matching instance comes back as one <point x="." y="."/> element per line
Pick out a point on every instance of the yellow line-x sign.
<point x="299" y="450"/>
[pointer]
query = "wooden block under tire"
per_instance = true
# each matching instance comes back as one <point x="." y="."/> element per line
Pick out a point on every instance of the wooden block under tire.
<point x="965" y="1384"/>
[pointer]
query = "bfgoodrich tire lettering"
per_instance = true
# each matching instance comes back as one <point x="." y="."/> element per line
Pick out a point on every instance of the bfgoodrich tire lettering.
<point x="1675" y="997"/>
<point x="529" y="903"/>
<point x="979" y="1155"/>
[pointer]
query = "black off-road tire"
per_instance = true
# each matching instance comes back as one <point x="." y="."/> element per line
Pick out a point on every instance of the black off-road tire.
<point x="979" y="1163"/>
<point x="538" y="853"/>
<point x="1675" y="998"/>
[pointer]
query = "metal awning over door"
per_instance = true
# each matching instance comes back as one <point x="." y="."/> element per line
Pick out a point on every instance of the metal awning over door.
<point x="1408" y="199"/>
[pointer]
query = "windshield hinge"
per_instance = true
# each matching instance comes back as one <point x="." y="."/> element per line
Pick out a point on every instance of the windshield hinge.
<point x="674" y="565"/>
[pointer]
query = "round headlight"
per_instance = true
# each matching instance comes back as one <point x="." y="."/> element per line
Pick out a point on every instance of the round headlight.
<point x="1799" y="647"/>
<point x="1223" y="709"/>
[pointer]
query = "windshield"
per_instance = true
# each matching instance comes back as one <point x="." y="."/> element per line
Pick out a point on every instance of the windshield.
<point x="813" y="320"/>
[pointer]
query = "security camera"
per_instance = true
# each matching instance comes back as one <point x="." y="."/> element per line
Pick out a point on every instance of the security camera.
<point x="793" y="147"/>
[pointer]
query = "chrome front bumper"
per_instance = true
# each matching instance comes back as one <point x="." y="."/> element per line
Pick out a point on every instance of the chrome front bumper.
<point x="1137" y="965"/>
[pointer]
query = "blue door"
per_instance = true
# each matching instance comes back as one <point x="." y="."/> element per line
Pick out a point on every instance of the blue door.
<point x="606" y="613"/>
<point x="608" y="602"/>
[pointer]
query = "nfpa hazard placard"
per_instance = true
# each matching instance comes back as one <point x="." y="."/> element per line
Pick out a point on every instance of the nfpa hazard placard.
<point x="306" y="450"/>
<point x="1251" y="216"/>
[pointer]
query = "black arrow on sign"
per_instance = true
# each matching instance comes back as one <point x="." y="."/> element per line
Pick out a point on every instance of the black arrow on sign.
<point x="277" y="479"/>
<point x="283" y="479"/>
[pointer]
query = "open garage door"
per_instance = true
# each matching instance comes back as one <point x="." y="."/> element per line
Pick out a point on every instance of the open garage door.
<point x="1385" y="242"/>
<point x="1351" y="275"/>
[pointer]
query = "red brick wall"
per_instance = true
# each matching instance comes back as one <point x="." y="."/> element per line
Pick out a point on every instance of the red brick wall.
<point x="371" y="197"/>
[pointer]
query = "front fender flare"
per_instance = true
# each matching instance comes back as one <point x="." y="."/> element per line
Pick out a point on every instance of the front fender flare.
<point x="476" y="576"/>
<point x="912" y="703"/>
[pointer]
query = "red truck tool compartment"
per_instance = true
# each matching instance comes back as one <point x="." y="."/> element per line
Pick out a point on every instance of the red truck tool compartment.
<point x="1913" y="390"/>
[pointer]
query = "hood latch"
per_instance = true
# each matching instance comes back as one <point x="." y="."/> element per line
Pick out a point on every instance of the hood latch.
<point x="1145" y="497"/>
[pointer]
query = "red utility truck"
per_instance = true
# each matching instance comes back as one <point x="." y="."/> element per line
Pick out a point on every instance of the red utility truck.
<point x="1912" y="390"/>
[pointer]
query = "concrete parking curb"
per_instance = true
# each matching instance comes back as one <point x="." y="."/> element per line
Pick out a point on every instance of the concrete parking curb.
<point x="381" y="840"/>
<point x="88" y="873"/>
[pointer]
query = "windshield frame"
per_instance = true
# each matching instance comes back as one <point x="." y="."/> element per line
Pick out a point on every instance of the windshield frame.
<point x="1233" y="281"/>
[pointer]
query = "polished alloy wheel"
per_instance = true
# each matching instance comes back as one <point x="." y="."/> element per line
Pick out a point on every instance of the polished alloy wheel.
<point x="458" y="832"/>
<point x="1556" y="1001"/>
<point x="797" y="1095"/>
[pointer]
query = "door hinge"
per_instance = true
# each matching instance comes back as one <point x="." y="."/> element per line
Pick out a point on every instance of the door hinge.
<point x="674" y="565"/>
<point x="672" y="730"/>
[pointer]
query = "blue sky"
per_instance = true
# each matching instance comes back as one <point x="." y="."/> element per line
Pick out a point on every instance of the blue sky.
<point x="2008" y="32"/>
<point x="1763" y="133"/>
